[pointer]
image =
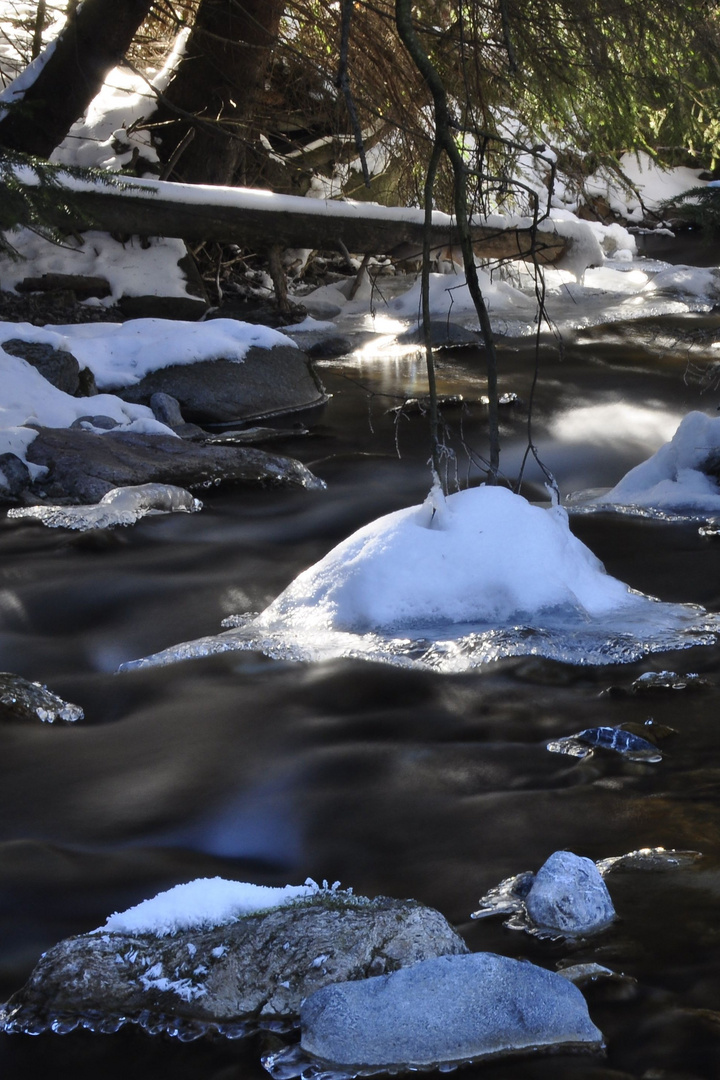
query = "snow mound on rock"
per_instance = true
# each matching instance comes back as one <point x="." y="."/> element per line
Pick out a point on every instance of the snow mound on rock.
<point x="454" y="583"/>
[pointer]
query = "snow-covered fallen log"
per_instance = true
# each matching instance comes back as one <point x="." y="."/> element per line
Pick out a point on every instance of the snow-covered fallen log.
<point x="252" y="217"/>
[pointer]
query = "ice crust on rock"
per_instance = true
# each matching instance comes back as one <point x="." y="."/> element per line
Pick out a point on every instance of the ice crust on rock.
<point x="21" y="699"/>
<point x="456" y="582"/>
<point x="445" y="1011"/>
<point x="569" y="895"/>
<point x="121" y="506"/>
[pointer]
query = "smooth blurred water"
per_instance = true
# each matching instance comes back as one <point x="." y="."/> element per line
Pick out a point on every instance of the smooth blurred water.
<point x="397" y="782"/>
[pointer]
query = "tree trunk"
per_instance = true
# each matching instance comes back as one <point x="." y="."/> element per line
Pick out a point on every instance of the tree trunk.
<point x="92" y="42"/>
<point x="218" y="82"/>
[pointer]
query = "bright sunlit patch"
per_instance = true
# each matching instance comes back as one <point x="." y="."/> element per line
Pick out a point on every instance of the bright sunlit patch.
<point x="617" y="422"/>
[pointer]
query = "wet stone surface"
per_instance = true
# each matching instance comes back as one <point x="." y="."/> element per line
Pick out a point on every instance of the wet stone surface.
<point x="84" y="466"/>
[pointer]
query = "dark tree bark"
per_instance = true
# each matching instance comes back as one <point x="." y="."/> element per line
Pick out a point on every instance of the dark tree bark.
<point x="218" y="82"/>
<point x="92" y="42"/>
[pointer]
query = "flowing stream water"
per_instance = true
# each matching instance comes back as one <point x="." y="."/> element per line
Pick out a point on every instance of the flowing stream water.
<point x="399" y="782"/>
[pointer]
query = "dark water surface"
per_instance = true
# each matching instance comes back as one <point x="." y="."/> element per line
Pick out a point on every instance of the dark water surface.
<point x="395" y="782"/>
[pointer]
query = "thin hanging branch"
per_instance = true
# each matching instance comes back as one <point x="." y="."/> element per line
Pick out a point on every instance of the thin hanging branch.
<point x="445" y="140"/>
<point x="425" y="295"/>
<point x="343" y="83"/>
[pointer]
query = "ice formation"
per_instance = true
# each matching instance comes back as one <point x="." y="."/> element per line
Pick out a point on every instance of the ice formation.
<point x="121" y="506"/>
<point x="458" y="581"/>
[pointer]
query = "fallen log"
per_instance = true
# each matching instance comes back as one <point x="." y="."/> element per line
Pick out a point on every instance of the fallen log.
<point x="260" y="219"/>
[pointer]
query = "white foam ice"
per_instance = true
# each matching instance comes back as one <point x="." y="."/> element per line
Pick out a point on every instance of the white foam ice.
<point x="456" y="582"/>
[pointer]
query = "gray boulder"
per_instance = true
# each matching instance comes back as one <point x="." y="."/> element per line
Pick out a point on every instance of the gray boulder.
<point x="443" y="335"/>
<point x="83" y="466"/>
<point x="267" y="382"/>
<point x="569" y="895"/>
<point x="14" y="477"/>
<point x="230" y="979"/>
<point x="56" y="365"/>
<point x="446" y="1011"/>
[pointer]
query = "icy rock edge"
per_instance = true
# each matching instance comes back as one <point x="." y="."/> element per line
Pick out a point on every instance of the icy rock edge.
<point x="247" y="974"/>
<point x="121" y="506"/>
<point x="440" y="1013"/>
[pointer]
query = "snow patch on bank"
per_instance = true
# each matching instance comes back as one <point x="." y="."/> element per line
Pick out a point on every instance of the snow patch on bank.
<point x="130" y="269"/>
<point x="121" y="354"/>
<point x="118" y="354"/>
<point x="29" y="401"/>
<point x="202" y="904"/>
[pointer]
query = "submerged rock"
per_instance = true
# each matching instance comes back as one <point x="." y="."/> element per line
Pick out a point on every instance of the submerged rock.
<point x="443" y="1012"/>
<point x="231" y="979"/>
<point x="631" y="746"/>
<point x="267" y="382"/>
<point x="443" y="335"/>
<point x="121" y="506"/>
<point x="83" y="465"/>
<point x="566" y="898"/>
<point x="21" y="699"/>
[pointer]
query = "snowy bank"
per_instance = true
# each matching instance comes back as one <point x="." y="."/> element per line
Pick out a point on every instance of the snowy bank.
<point x="118" y="354"/>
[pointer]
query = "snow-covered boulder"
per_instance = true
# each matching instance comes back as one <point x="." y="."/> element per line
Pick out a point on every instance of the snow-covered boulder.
<point x="682" y="476"/>
<point x="222" y="956"/>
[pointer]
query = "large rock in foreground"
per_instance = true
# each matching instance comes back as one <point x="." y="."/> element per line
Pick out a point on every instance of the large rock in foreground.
<point x="230" y="979"/>
<point x="84" y="466"/>
<point x="446" y="1011"/>
<point x="267" y="382"/>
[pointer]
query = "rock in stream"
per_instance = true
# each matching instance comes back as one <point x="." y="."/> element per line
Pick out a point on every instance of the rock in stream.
<point x="230" y="979"/>
<point x="438" y="1013"/>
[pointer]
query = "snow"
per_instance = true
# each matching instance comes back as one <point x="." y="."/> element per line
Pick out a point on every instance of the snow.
<point x="129" y="268"/>
<point x="450" y="295"/>
<point x="672" y="479"/>
<point x="118" y="354"/>
<point x="654" y="185"/>
<point x="483" y="555"/>
<point x="28" y="398"/>
<point x="202" y="904"/>
<point x="15" y="91"/>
